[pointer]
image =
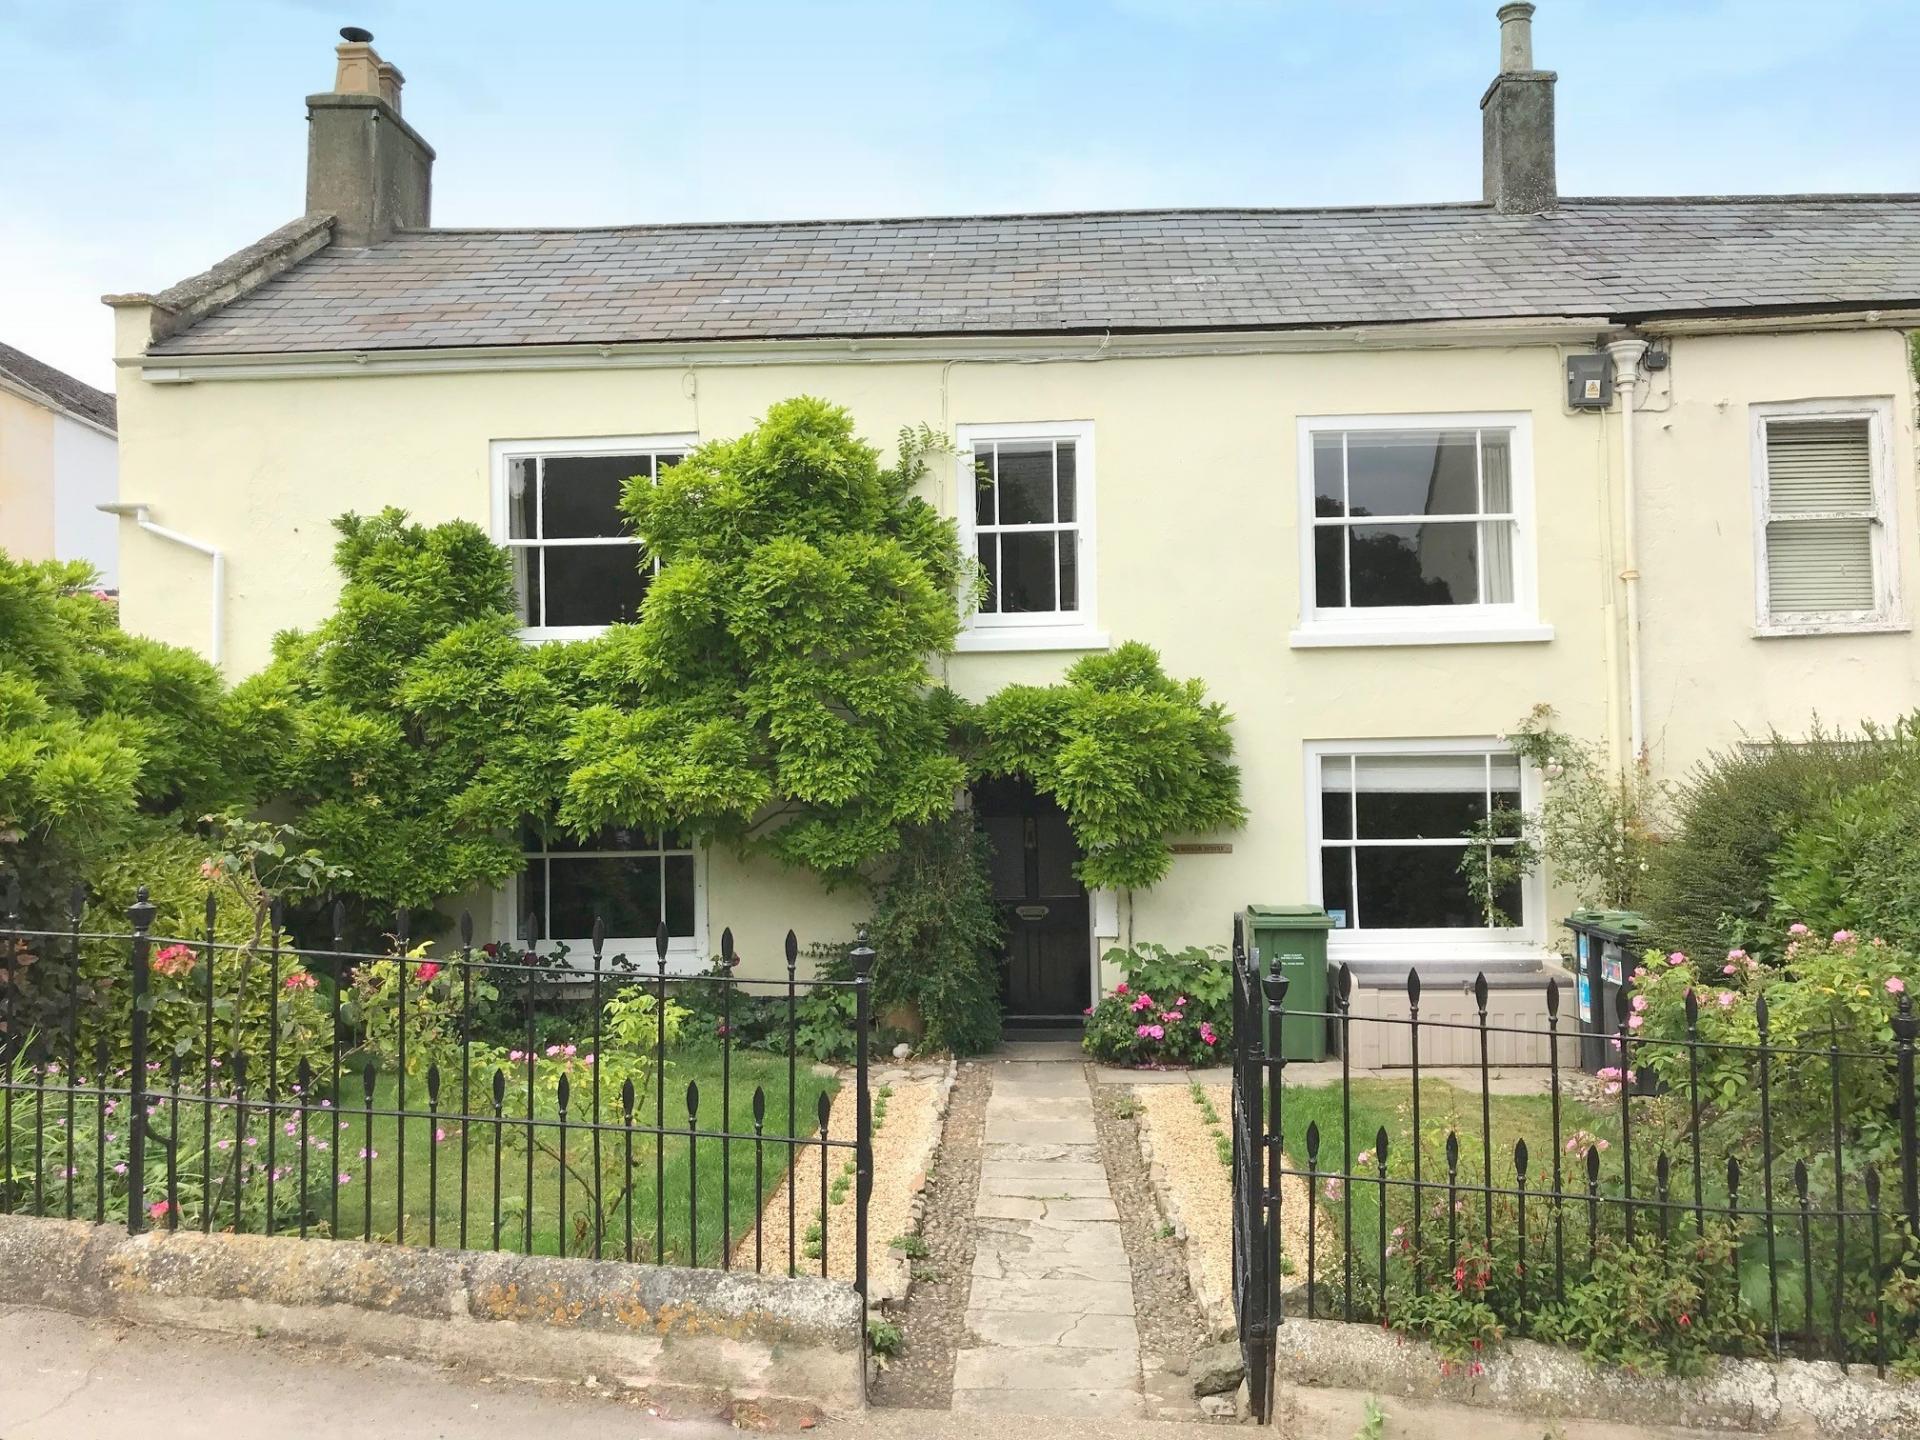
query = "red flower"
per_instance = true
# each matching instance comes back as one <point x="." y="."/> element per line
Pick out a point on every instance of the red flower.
<point x="1686" y="1320"/>
<point x="428" y="969"/>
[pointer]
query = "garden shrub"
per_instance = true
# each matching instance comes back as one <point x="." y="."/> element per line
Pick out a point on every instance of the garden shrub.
<point x="423" y="731"/>
<point x="102" y="733"/>
<point x="1175" y="1007"/>
<point x="1712" y="880"/>
<point x="936" y="936"/>
<point x="1852" y="862"/>
<point x="1131" y="755"/>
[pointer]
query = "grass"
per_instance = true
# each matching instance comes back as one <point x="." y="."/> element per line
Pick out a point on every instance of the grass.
<point x="430" y="1202"/>
<point x="1378" y="1105"/>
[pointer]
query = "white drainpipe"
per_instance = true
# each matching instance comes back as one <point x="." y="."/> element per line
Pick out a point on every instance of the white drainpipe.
<point x="139" y="515"/>
<point x="1626" y="355"/>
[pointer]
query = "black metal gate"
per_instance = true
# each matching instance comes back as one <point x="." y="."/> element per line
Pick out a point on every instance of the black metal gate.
<point x="1256" y="1173"/>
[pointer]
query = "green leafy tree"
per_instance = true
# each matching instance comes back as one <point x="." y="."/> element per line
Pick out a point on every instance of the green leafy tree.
<point x="1131" y="755"/>
<point x="423" y="729"/>
<point x="103" y="735"/>
<point x="775" y="690"/>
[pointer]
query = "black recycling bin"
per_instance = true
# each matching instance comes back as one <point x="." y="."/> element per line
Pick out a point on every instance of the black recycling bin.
<point x="1607" y="945"/>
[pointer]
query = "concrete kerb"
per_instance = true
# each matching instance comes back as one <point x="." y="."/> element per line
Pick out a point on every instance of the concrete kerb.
<point x="891" y="1280"/>
<point x="1792" y="1397"/>
<point x="705" y="1338"/>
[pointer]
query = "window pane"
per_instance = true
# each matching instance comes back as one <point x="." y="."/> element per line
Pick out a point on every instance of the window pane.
<point x="1415" y="888"/>
<point x="1415" y="564"/>
<point x="526" y="584"/>
<point x="1413" y="472"/>
<point x="983" y="485"/>
<point x="581" y="494"/>
<point x="1069" y="541"/>
<point x="990" y="567"/>
<point x="1329" y="566"/>
<point x="1026" y="482"/>
<point x="1068" y="478"/>
<point x="1506" y="782"/>
<point x="1336" y="885"/>
<point x="1329" y="476"/>
<point x="1336" y="797"/>
<point x="625" y="891"/>
<point x="1815" y="465"/>
<point x="594" y="584"/>
<point x="1496" y="546"/>
<point x="1419" y="797"/>
<point x="522" y="477"/>
<point x="679" y="882"/>
<point x="1819" y="566"/>
<point x="1026" y="571"/>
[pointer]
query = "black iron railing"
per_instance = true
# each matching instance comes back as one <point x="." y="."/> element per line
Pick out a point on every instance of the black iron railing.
<point x="1770" y="1188"/>
<point x="496" y="1097"/>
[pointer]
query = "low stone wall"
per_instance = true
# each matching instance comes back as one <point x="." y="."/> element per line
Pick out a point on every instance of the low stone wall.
<point x="1789" y="1397"/>
<point x="704" y="1338"/>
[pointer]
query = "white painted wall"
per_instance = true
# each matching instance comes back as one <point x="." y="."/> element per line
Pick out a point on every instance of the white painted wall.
<point x="86" y="475"/>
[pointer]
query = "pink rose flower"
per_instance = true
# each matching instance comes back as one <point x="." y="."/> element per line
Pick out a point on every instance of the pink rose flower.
<point x="1895" y="985"/>
<point x="1843" y="937"/>
<point x="1798" y="929"/>
<point x="1678" y="957"/>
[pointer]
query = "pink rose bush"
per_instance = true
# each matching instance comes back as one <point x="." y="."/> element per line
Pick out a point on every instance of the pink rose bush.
<point x="1173" y="1008"/>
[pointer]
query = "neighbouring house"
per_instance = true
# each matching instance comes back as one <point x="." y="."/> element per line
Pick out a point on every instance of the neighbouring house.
<point x="1384" y="477"/>
<point x="59" y="451"/>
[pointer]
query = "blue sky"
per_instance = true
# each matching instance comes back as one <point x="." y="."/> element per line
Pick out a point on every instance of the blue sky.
<point x="145" y="139"/>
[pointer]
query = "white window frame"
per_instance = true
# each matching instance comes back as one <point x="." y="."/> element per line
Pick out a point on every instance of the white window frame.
<point x="1493" y="944"/>
<point x="1039" y="630"/>
<point x="1517" y="622"/>
<point x="504" y="452"/>
<point x="686" y="955"/>
<point x="1887" y="613"/>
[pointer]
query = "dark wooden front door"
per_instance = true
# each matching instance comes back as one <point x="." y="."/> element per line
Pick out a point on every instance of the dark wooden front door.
<point x="1048" y="972"/>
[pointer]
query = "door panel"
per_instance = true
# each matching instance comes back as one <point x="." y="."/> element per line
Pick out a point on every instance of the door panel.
<point x="1047" y="966"/>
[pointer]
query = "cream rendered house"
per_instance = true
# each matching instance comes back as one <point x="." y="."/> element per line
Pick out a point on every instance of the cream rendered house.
<point x="1384" y="478"/>
<point x="58" y="454"/>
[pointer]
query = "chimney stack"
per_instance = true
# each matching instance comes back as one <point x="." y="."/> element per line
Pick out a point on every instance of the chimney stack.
<point x="366" y="166"/>
<point x="1516" y="119"/>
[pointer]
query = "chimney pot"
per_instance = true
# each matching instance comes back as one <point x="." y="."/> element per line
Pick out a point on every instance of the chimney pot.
<point x="1516" y="38"/>
<point x="366" y="166"/>
<point x="1516" y="123"/>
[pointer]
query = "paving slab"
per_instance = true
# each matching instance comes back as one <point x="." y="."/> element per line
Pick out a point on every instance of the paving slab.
<point x="997" y="1265"/>
<point x="1076" y="1404"/>
<point x="1027" y="1131"/>
<point x="1024" y="1151"/>
<point x="1046" y="1367"/>
<point x="1021" y="1207"/>
<point x="1027" y="1328"/>
<point x="1044" y="1187"/>
<point x="1055" y="1297"/>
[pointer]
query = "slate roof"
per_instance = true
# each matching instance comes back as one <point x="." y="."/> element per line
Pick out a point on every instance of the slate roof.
<point x="1140" y="271"/>
<point x="59" y="389"/>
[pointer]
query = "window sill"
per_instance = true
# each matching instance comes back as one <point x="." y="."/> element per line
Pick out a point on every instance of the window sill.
<point x="1325" y="635"/>
<point x="1396" y="956"/>
<point x="1831" y="627"/>
<point x="542" y="634"/>
<point x="1035" y="637"/>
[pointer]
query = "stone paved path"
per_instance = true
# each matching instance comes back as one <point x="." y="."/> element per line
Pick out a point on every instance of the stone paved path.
<point x="1051" y="1308"/>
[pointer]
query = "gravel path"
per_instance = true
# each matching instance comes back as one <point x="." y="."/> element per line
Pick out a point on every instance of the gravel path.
<point x="1171" y="1325"/>
<point x="1200" y="1188"/>
<point x="899" y="1142"/>
<point x="934" y="1317"/>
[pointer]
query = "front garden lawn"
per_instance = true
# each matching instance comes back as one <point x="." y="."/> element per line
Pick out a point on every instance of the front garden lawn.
<point x="432" y="1193"/>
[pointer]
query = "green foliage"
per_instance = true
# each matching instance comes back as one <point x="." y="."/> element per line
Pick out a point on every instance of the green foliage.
<point x="1174" y="1008"/>
<point x="1131" y="756"/>
<point x="827" y="1015"/>
<point x="776" y="689"/>
<point x="885" y="1338"/>
<point x="1599" y="829"/>
<point x="936" y="934"/>
<point x="423" y="729"/>
<point x="1851" y="862"/>
<point x="101" y="731"/>
<point x="1712" y="880"/>
<point x="1835" y="990"/>
<point x="1654" y="1307"/>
